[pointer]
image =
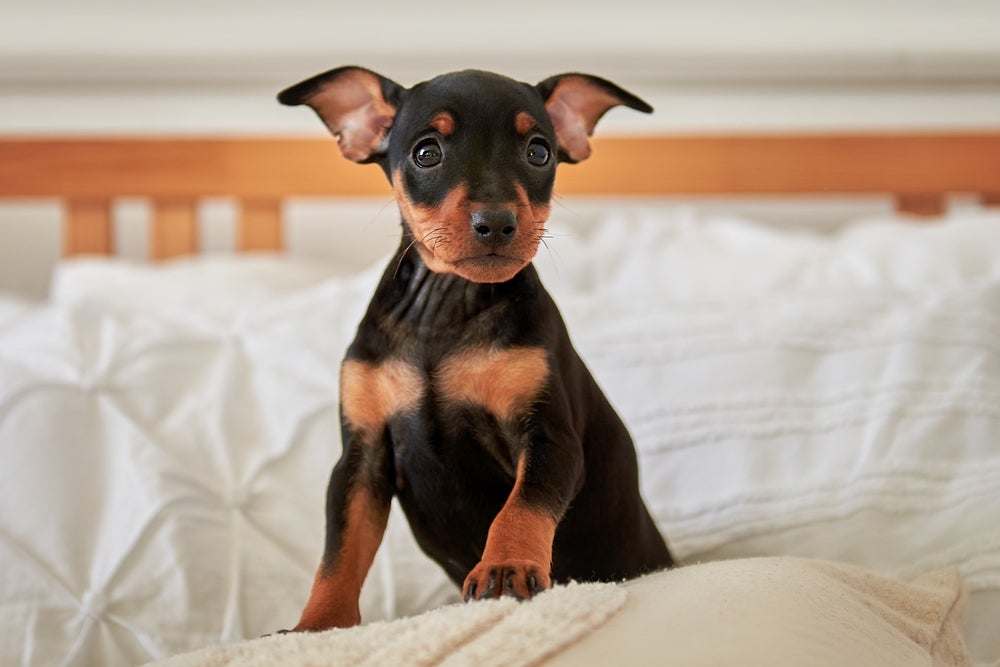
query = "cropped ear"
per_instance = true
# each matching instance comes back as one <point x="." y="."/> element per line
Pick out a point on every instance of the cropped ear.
<point x="356" y="105"/>
<point x="575" y="103"/>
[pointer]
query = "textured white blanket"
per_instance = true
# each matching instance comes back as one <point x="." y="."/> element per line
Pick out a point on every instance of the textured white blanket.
<point x="756" y="612"/>
<point x="494" y="632"/>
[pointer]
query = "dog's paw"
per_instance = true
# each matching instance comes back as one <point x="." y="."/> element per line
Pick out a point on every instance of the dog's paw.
<point x="276" y="632"/>
<point x="330" y="618"/>
<point x="516" y="579"/>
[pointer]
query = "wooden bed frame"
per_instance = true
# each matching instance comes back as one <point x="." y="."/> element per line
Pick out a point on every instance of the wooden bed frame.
<point x="918" y="170"/>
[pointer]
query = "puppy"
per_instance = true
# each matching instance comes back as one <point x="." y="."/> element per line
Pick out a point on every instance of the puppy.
<point x="461" y="394"/>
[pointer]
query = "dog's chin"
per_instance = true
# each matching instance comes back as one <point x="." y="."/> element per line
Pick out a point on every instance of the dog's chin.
<point x="478" y="269"/>
<point x="489" y="268"/>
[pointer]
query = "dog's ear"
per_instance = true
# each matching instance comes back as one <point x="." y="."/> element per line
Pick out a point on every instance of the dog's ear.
<point x="575" y="103"/>
<point x="356" y="105"/>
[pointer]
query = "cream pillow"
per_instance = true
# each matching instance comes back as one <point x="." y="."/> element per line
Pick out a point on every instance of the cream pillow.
<point x="761" y="611"/>
<point x="780" y="611"/>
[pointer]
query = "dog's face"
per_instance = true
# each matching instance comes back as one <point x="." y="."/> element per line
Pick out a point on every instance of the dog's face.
<point x="471" y="155"/>
<point x="472" y="164"/>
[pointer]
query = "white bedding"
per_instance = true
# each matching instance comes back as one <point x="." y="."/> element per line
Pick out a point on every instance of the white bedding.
<point x="166" y="435"/>
<point x="755" y="612"/>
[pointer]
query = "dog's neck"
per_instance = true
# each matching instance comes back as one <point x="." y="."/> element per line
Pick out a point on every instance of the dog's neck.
<point x="415" y="307"/>
<point x="424" y="298"/>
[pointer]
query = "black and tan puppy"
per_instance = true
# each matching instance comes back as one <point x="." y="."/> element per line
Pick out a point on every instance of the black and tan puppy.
<point x="462" y="394"/>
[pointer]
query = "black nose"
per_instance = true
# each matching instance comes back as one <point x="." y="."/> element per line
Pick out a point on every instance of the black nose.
<point x="495" y="227"/>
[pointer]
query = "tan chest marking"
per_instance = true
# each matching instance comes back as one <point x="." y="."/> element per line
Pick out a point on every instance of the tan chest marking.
<point x="372" y="393"/>
<point x="505" y="382"/>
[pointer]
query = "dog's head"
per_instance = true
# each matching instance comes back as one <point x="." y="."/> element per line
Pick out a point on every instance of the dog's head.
<point x="471" y="155"/>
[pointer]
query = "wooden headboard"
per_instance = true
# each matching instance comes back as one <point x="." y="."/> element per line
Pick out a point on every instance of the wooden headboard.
<point x="918" y="170"/>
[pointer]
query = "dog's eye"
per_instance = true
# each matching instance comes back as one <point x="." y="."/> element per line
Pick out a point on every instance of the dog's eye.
<point x="538" y="153"/>
<point x="427" y="153"/>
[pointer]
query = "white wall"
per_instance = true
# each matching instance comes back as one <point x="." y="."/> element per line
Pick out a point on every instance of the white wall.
<point x="209" y="67"/>
<point x="190" y="65"/>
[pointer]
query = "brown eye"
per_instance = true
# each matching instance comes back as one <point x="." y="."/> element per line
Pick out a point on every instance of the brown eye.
<point x="538" y="153"/>
<point x="427" y="154"/>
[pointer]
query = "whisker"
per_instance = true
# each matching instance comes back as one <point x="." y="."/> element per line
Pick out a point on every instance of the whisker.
<point x="390" y="201"/>
<point x="402" y="254"/>
<point x="576" y="217"/>
<point x="559" y="201"/>
<point x="436" y="230"/>
<point x="551" y="254"/>
<point x="434" y="237"/>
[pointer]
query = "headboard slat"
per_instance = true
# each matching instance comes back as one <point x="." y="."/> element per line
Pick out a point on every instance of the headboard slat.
<point x="923" y="205"/>
<point x="175" y="229"/>
<point x="260" y="226"/>
<point x="87" y="227"/>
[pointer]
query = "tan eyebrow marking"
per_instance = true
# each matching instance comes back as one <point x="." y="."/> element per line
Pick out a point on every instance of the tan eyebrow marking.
<point x="444" y="123"/>
<point x="524" y="123"/>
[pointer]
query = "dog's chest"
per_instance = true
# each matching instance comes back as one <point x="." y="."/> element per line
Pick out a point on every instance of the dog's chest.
<point x="504" y="382"/>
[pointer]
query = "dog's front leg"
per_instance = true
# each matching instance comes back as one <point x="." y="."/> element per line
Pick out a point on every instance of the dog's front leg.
<point x="360" y="490"/>
<point x="357" y="512"/>
<point x="517" y="558"/>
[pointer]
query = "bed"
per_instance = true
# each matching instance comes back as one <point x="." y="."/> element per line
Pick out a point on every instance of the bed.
<point x="817" y="413"/>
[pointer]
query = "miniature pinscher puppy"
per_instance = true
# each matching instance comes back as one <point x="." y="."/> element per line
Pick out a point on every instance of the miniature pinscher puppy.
<point x="461" y="394"/>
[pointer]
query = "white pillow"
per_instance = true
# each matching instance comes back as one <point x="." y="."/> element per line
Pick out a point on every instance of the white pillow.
<point x="678" y="256"/>
<point x="216" y="286"/>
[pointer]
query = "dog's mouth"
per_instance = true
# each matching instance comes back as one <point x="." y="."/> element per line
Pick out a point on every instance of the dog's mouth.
<point x="491" y="267"/>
